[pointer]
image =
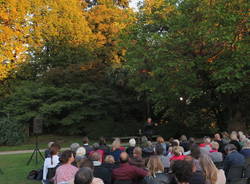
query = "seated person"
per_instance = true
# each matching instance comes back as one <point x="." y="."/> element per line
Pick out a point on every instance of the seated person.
<point x="233" y="158"/>
<point x="177" y="154"/>
<point x="86" y="163"/>
<point x="214" y="154"/>
<point x="157" y="174"/>
<point x="109" y="163"/>
<point x="137" y="159"/>
<point x="47" y="151"/>
<point x="246" y="149"/>
<point x="131" y="147"/>
<point x="66" y="172"/>
<point x="84" y="176"/>
<point x="80" y="154"/>
<point x="127" y="172"/>
<point x="86" y="145"/>
<point x="164" y="159"/>
<point x="50" y="163"/>
<point x="100" y="171"/>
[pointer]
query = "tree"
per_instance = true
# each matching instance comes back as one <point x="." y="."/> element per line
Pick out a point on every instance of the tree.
<point x="195" y="55"/>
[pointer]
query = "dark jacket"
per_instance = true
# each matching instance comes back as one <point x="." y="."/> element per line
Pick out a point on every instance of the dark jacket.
<point x="116" y="154"/>
<point x="128" y="172"/>
<point x="245" y="152"/>
<point x="103" y="173"/>
<point x="236" y="143"/>
<point x="105" y="148"/>
<point x="130" y="150"/>
<point x="159" y="178"/>
<point x="233" y="159"/>
<point x="221" y="146"/>
<point x="138" y="162"/>
<point x="197" y="178"/>
<point x="88" y="148"/>
<point x="109" y="166"/>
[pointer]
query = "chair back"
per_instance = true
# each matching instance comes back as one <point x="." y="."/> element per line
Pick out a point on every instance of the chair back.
<point x="235" y="173"/>
<point x="219" y="165"/>
<point x="239" y="181"/>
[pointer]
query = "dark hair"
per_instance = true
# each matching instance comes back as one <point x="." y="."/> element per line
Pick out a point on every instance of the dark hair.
<point x="230" y="147"/>
<point x="85" y="140"/>
<point x="182" y="170"/>
<point x="95" y="156"/>
<point x="54" y="149"/>
<point x="85" y="162"/>
<point x="102" y="141"/>
<point x="66" y="155"/>
<point x="195" y="151"/>
<point x="84" y="176"/>
<point x="159" y="149"/>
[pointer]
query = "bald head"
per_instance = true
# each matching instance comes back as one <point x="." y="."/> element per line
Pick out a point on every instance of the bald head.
<point x="124" y="157"/>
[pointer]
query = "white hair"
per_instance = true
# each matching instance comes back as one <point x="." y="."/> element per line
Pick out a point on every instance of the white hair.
<point x="132" y="142"/>
<point x="81" y="151"/>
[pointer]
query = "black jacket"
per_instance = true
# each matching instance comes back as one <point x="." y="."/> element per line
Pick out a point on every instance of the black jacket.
<point x="103" y="173"/>
<point x="159" y="178"/>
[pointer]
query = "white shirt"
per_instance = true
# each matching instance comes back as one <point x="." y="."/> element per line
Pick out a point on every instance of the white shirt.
<point x="47" y="165"/>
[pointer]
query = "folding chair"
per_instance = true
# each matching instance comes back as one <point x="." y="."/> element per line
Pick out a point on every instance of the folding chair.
<point x="235" y="173"/>
<point x="247" y="172"/>
<point x="239" y="181"/>
<point x="219" y="165"/>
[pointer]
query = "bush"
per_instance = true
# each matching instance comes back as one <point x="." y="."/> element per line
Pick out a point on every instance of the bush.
<point x="11" y="132"/>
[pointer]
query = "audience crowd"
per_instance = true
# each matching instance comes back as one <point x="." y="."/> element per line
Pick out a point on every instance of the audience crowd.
<point x="177" y="161"/>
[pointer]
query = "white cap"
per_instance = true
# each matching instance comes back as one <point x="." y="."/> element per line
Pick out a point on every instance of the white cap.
<point x="132" y="142"/>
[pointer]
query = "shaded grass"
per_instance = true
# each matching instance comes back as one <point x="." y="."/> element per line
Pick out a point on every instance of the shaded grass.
<point x="43" y="140"/>
<point x="15" y="169"/>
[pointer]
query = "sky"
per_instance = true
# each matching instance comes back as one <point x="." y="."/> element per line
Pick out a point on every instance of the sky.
<point x="133" y="3"/>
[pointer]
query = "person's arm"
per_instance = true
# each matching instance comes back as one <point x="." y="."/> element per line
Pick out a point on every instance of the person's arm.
<point x="45" y="169"/>
<point x="140" y="172"/>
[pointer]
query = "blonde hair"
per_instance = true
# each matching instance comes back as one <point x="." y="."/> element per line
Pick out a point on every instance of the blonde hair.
<point x="160" y="139"/>
<point x="209" y="169"/>
<point x="109" y="159"/>
<point x="215" y="145"/>
<point x="116" y="144"/>
<point x="155" y="165"/>
<point x="177" y="151"/>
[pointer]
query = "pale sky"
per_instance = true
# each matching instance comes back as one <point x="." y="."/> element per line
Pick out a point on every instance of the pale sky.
<point x="133" y="3"/>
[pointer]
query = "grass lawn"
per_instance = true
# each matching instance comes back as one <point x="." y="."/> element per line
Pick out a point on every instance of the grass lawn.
<point x="15" y="169"/>
<point x="43" y="140"/>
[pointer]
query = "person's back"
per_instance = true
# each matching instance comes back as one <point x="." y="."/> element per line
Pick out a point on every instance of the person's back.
<point x="233" y="158"/>
<point x="216" y="156"/>
<point x="158" y="178"/>
<point x="127" y="172"/>
<point x="84" y="176"/>
<point x="137" y="159"/>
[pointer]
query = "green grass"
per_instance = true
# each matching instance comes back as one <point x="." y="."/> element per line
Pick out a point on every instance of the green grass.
<point x="15" y="169"/>
<point x="43" y="140"/>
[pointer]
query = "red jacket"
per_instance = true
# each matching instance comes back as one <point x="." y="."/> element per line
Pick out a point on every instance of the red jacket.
<point x="128" y="172"/>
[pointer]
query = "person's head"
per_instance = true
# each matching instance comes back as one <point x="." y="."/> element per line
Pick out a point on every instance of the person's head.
<point x="81" y="151"/>
<point x="246" y="144"/>
<point x="159" y="149"/>
<point x="95" y="146"/>
<point x="54" y="149"/>
<point x="225" y="135"/>
<point x="177" y="151"/>
<point x="116" y="144"/>
<point x="160" y="139"/>
<point x="124" y="157"/>
<point x="85" y="162"/>
<point x="50" y="144"/>
<point x="191" y="140"/>
<point x="67" y="157"/>
<point x="207" y="140"/>
<point x="176" y="142"/>
<point x="182" y="170"/>
<point x="137" y="152"/>
<point x="102" y="141"/>
<point x="230" y="148"/>
<point x="85" y="140"/>
<point x="208" y="167"/>
<point x="217" y="136"/>
<point x="215" y="145"/>
<point x="109" y="159"/>
<point x="132" y="142"/>
<point x="234" y="137"/>
<point x="84" y="176"/>
<point x="74" y="147"/>
<point x="195" y="151"/>
<point x="155" y="165"/>
<point x="183" y="138"/>
<point x="95" y="156"/>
